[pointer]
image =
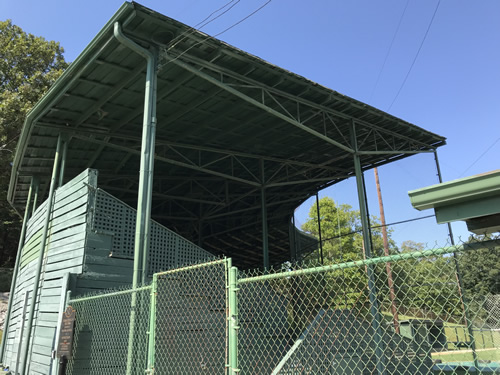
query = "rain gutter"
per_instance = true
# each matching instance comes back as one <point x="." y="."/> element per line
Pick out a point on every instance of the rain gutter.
<point x="61" y="86"/>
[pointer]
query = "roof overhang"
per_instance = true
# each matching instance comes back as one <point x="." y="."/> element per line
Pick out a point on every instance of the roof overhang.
<point x="473" y="199"/>
<point x="222" y="117"/>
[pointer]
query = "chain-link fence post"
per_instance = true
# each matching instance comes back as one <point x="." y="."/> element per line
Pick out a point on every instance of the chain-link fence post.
<point x="152" y="327"/>
<point x="233" y="321"/>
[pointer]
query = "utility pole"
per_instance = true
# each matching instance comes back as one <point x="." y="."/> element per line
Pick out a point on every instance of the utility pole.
<point x="388" y="268"/>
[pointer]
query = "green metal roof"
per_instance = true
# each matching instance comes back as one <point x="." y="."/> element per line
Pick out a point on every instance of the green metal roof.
<point x="464" y="199"/>
<point x="220" y="113"/>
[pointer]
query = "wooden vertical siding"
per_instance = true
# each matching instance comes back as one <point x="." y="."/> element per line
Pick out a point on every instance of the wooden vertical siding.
<point x="65" y="251"/>
<point x="91" y="236"/>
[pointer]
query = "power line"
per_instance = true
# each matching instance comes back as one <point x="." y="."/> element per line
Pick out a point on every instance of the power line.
<point x="244" y="18"/>
<point x="220" y="33"/>
<point x="202" y="23"/>
<point x="373" y="227"/>
<point x="484" y="153"/>
<point x="416" y="56"/>
<point x="390" y="49"/>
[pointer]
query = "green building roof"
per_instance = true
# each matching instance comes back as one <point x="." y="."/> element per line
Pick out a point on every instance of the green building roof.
<point x="474" y="199"/>
<point x="228" y="124"/>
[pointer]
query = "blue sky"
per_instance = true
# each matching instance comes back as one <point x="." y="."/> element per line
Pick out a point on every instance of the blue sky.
<point x="453" y="88"/>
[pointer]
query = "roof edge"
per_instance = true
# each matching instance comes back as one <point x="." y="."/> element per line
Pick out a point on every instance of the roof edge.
<point x="58" y="88"/>
<point x="463" y="189"/>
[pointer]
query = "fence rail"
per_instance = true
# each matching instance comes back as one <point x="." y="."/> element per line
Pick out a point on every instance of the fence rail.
<point x="338" y="318"/>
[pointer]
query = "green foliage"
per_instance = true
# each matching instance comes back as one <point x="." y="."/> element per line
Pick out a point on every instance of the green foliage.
<point x="424" y="287"/>
<point x="29" y="65"/>
<point x="480" y="270"/>
<point x="341" y="232"/>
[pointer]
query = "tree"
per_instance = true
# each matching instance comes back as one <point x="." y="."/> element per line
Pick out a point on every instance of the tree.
<point x="29" y="65"/>
<point x="480" y="269"/>
<point x="341" y="231"/>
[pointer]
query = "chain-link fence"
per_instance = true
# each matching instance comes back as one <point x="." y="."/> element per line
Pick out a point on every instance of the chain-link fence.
<point x="191" y="320"/>
<point x="111" y="333"/>
<point x="403" y="314"/>
<point x="407" y="313"/>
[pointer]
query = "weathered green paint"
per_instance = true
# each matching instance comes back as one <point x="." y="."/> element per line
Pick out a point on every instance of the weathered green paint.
<point x="145" y="191"/>
<point x="27" y="213"/>
<point x="38" y="269"/>
<point x="65" y="253"/>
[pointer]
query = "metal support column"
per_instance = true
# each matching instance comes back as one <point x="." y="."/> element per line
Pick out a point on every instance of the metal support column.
<point x="293" y="241"/>
<point x="233" y="321"/>
<point x="367" y="241"/>
<point x="265" y="233"/>
<point x="145" y="194"/>
<point x="144" y="197"/>
<point x="62" y="169"/>
<point x="319" y="230"/>
<point x="35" y="197"/>
<point x="458" y="277"/>
<point x="38" y="268"/>
<point x="152" y="326"/>
<point x="27" y="215"/>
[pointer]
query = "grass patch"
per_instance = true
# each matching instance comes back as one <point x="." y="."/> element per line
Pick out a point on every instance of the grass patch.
<point x="492" y="354"/>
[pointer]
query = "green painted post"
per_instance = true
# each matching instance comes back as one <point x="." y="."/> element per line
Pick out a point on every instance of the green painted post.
<point x="43" y="246"/>
<point x="458" y="275"/>
<point x="319" y="229"/>
<point x="152" y="326"/>
<point x="62" y="169"/>
<point x="265" y="233"/>
<point x="233" y="321"/>
<point x="367" y="241"/>
<point x="27" y="214"/>
<point x="144" y="197"/>
<point x="35" y="197"/>
<point x="150" y="104"/>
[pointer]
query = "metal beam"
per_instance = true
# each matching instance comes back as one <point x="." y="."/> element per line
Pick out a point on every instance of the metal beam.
<point x="256" y="103"/>
<point x="114" y="90"/>
<point x="398" y="152"/>
<point x="169" y="161"/>
<point x="298" y="182"/>
<point x="165" y="196"/>
<point x="259" y="85"/>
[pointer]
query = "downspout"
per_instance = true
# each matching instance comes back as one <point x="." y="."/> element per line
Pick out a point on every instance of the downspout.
<point x="144" y="197"/>
<point x="27" y="215"/>
<point x="145" y="193"/>
<point x="43" y="245"/>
